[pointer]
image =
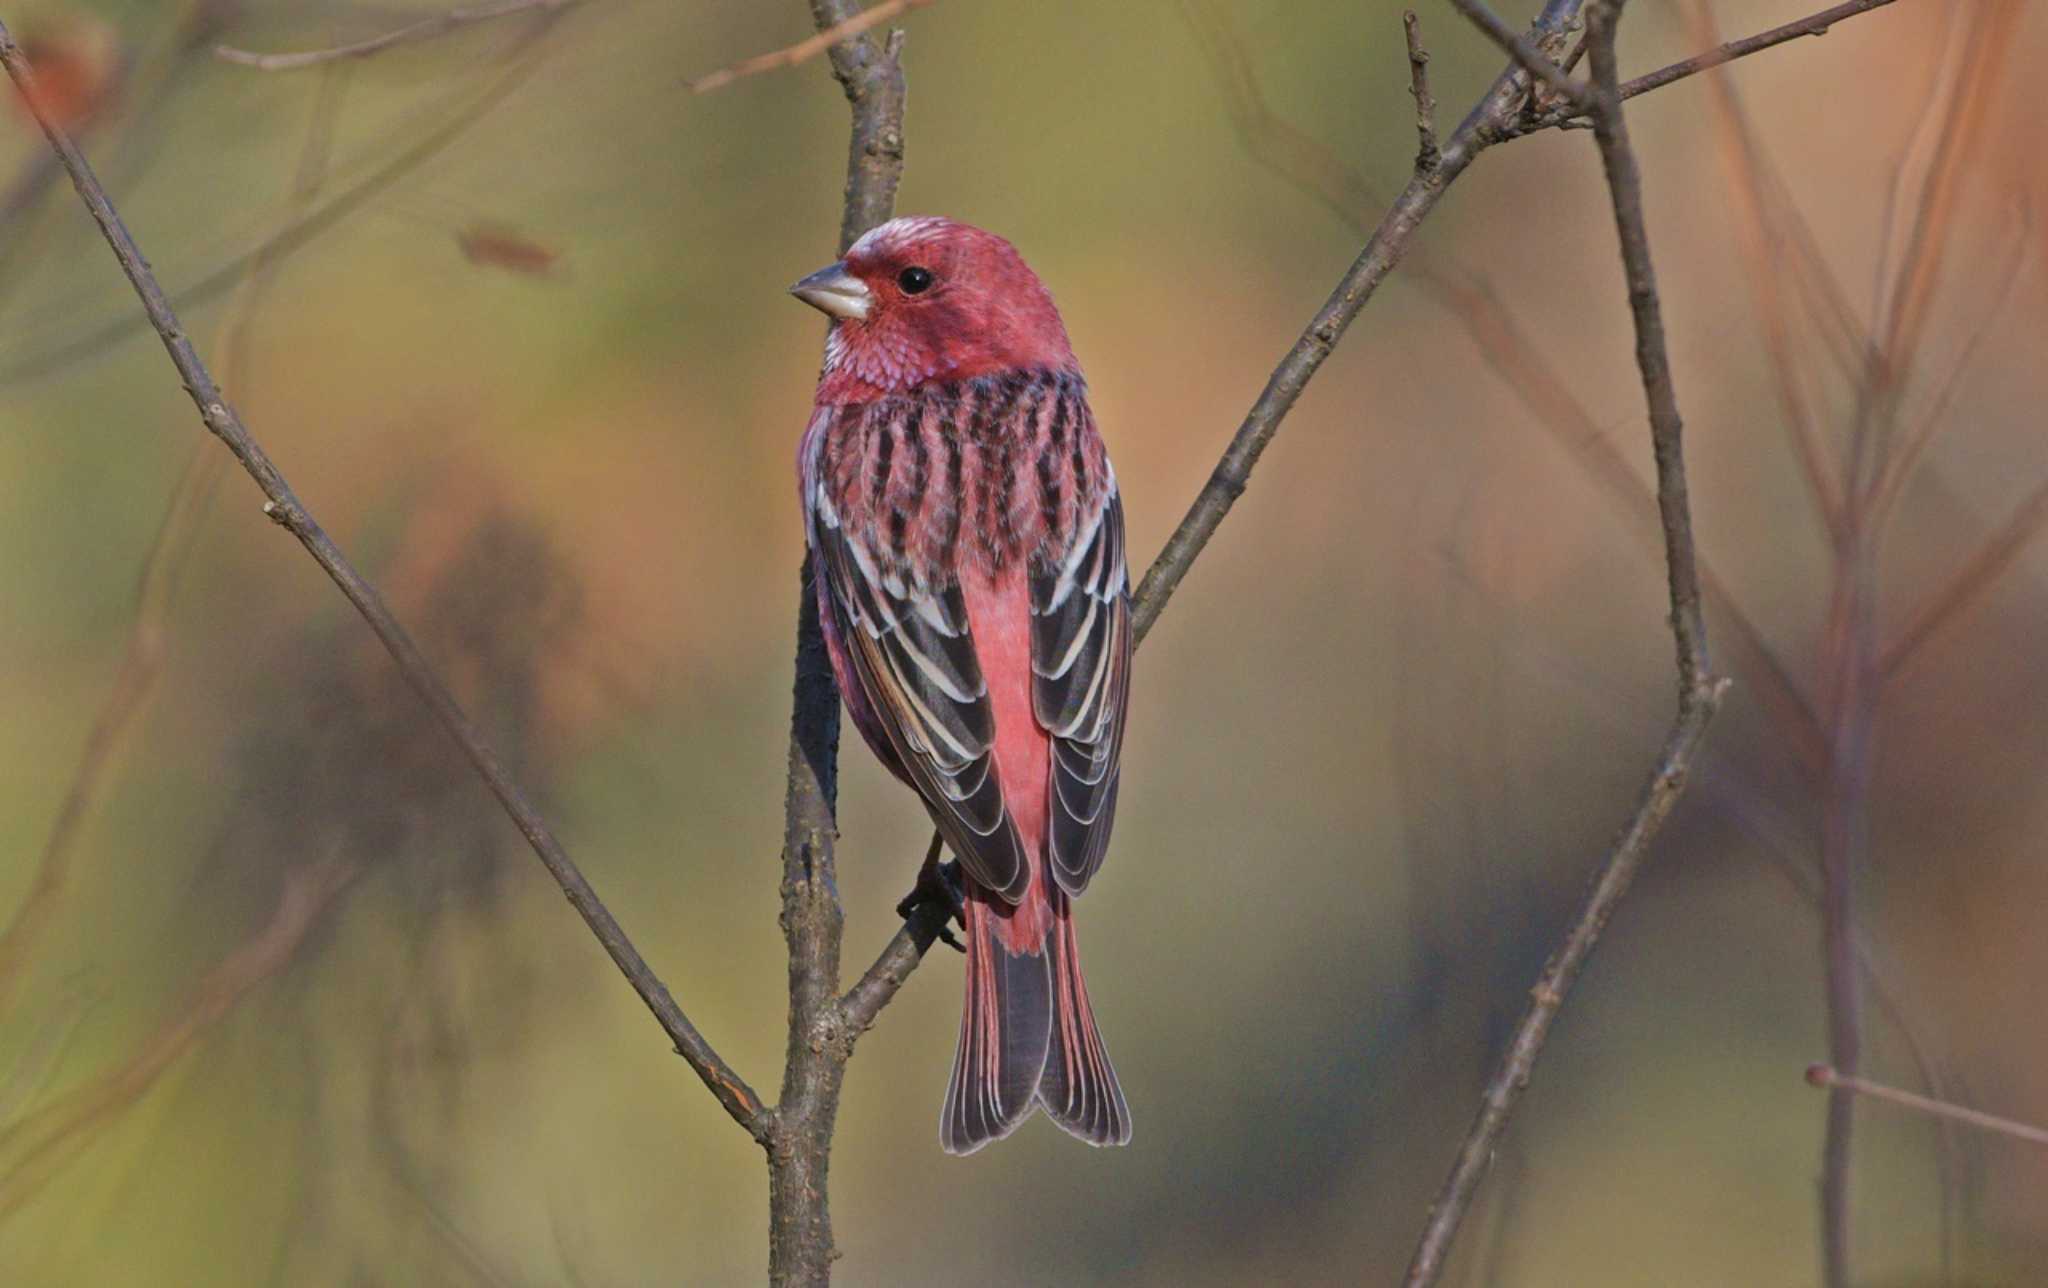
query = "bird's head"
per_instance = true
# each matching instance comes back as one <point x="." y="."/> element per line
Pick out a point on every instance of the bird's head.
<point x="924" y="300"/>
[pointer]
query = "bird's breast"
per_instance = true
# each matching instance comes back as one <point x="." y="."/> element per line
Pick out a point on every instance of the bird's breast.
<point x="978" y="475"/>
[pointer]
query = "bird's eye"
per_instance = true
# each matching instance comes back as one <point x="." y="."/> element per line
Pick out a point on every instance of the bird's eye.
<point x="915" y="281"/>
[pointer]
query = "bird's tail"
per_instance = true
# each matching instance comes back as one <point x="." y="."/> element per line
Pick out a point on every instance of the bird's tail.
<point x="1078" y="1088"/>
<point x="1028" y="1038"/>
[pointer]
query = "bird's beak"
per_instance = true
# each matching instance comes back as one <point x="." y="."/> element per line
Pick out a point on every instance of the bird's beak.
<point x="835" y="292"/>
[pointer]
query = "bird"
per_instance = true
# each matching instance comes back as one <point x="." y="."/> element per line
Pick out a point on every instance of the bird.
<point x="966" y="538"/>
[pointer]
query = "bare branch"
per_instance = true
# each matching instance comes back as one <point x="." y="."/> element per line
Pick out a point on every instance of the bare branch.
<point x="410" y="34"/>
<point x="1812" y="25"/>
<point x="1418" y="87"/>
<point x="804" y="50"/>
<point x="872" y="75"/>
<point x="285" y="508"/>
<point x="799" y="1141"/>
<point x="1821" y="1075"/>
<point x="1699" y="693"/>
<point x="926" y="925"/>
<point x="1574" y="111"/>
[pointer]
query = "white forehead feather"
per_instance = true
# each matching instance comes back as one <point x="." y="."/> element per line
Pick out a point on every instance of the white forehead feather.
<point x="899" y="233"/>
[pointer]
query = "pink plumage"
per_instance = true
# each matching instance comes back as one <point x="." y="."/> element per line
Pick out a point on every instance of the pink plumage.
<point x="967" y="539"/>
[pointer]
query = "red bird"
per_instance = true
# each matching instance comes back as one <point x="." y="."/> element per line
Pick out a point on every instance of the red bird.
<point x="968" y="544"/>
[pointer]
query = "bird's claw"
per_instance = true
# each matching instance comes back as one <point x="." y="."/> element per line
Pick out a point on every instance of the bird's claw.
<point x="940" y="884"/>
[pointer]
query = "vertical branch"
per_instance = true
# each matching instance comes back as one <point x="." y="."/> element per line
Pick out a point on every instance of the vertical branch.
<point x="871" y="73"/>
<point x="800" y="1249"/>
<point x="799" y="1139"/>
<point x="1426" y="153"/>
<point x="1674" y="503"/>
<point x="1699" y="694"/>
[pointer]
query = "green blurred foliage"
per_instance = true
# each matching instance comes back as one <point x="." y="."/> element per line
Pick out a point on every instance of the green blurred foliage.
<point x="1377" y="745"/>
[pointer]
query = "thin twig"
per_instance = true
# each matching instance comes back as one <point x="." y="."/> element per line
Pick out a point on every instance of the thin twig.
<point x="410" y="34"/>
<point x="804" y="50"/>
<point x="1418" y="88"/>
<point x="1821" y="1075"/>
<point x="1699" y="693"/>
<point x="1811" y="25"/>
<point x="285" y="508"/>
<point x="1573" y="113"/>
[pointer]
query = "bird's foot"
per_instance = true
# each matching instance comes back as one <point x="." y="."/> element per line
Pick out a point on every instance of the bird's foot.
<point x="938" y="886"/>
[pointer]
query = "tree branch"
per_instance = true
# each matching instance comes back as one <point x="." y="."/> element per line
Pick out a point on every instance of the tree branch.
<point x="800" y="1247"/>
<point x="872" y="76"/>
<point x="1816" y="24"/>
<point x="1811" y="25"/>
<point x="285" y="508"/>
<point x="1699" y="694"/>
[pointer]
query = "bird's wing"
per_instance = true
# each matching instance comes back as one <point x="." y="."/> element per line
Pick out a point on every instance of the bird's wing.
<point x="914" y="656"/>
<point x="1081" y="669"/>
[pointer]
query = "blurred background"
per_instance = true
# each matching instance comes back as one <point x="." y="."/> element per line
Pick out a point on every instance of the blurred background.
<point x="284" y="999"/>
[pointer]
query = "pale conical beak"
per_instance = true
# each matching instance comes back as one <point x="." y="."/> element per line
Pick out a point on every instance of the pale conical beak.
<point x="835" y="292"/>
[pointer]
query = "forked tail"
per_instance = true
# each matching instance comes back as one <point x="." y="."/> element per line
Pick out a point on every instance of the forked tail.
<point x="1028" y="1039"/>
